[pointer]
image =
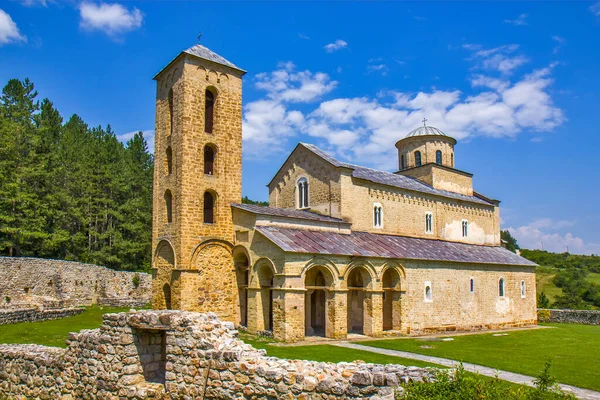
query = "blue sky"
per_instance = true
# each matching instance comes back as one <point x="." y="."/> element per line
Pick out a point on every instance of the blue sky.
<point x="516" y="83"/>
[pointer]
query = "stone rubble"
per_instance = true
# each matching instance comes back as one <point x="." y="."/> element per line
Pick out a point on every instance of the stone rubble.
<point x="183" y="355"/>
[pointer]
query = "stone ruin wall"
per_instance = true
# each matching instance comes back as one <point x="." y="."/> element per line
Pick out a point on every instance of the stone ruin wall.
<point x="18" y="315"/>
<point x="34" y="282"/>
<point x="173" y="355"/>
<point x="588" y="317"/>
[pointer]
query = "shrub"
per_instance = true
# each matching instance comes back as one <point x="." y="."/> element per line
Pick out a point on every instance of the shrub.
<point x="464" y="386"/>
<point x="136" y="280"/>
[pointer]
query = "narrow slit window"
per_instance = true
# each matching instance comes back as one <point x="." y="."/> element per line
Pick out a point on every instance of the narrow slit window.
<point x="402" y="162"/>
<point x="302" y="193"/>
<point x="428" y="295"/>
<point x="209" y="110"/>
<point x="523" y="289"/>
<point x="501" y="287"/>
<point x="377" y="216"/>
<point x="169" y="154"/>
<point x="209" y="208"/>
<point x="169" y="206"/>
<point x="465" y="228"/>
<point x="209" y="160"/>
<point x="472" y="285"/>
<point x="428" y="223"/>
<point x="171" y="114"/>
<point x="438" y="157"/>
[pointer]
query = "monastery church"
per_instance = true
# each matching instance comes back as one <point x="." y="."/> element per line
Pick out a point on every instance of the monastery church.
<point x="341" y="248"/>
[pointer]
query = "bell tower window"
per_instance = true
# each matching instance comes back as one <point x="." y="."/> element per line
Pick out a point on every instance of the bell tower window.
<point x="209" y="109"/>
<point x="209" y="208"/>
<point x="169" y="206"/>
<point x="417" y="158"/>
<point x="171" y="115"/>
<point x="438" y="157"/>
<point x="169" y="154"/>
<point x="209" y="160"/>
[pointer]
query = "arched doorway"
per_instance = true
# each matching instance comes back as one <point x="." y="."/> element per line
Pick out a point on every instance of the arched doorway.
<point x="164" y="263"/>
<point x="391" y="299"/>
<point x="265" y="279"/>
<point x="241" y="272"/>
<point x="358" y="281"/>
<point x="317" y="282"/>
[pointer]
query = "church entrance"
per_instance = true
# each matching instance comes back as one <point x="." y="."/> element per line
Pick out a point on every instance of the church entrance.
<point x="358" y="280"/>
<point x="316" y="283"/>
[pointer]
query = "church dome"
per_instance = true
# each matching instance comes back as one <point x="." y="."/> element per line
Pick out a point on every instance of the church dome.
<point x="425" y="131"/>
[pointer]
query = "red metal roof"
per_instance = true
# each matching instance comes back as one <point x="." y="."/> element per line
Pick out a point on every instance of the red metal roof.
<point x="387" y="246"/>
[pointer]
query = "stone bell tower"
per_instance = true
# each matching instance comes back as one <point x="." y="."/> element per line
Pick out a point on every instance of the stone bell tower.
<point x="197" y="175"/>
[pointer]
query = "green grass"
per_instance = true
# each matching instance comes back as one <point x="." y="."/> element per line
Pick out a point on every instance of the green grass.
<point x="55" y="332"/>
<point x="574" y="350"/>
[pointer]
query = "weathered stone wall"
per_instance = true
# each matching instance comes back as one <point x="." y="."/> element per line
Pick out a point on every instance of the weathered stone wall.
<point x="26" y="282"/>
<point x="588" y="317"/>
<point x="173" y="355"/>
<point x="15" y="316"/>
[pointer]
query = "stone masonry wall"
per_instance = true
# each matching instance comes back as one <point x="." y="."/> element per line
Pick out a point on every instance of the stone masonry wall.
<point x="174" y="355"/>
<point x="588" y="317"/>
<point x="26" y="282"/>
<point x="15" y="316"/>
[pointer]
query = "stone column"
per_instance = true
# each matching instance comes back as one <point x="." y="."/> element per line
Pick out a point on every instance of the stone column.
<point x="373" y="313"/>
<point x="396" y="309"/>
<point x="307" y="313"/>
<point x="336" y="314"/>
<point x="288" y="314"/>
<point x="254" y="312"/>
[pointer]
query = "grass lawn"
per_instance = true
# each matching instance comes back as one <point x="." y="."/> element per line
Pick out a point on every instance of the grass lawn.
<point x="329" y="353"/>
<point x="55" y="332"/>
<point x="574" y="350"/>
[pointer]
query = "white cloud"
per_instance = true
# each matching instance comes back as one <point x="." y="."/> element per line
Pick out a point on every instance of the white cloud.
<point x="112" y="19"/>
<point x="560" y="41"/>
<point x="148" y="135"/>
<point x="335" y="46"/>
<point x="542" y="234"/>
<point x="365" y="128"/>
<point x="498" y="58"/>
<point x="519" y="21"/>
<point x="9" y="32"/>
<point x="302" y="36"/>
<point x="33" y="3"/>
<point x="596" y="9"/>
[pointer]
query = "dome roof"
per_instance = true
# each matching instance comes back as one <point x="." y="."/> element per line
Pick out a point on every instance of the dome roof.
<point x="425" y="131"/>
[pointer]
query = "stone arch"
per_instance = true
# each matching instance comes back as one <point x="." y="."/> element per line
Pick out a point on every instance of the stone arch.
<point x="367" y="267"/>
<point x="212" y="76"/>
<point x="209" y="206"/>
<point x="392" y="282"/>
<point x="319" y="305"/>
<point x="265" y="275"/>
<point x="164" y="264"/>
<point x="214" y="279"/>
<point x="331" y="268"/>
<point x="358" y="280"/>
<point x="223" y="79"/>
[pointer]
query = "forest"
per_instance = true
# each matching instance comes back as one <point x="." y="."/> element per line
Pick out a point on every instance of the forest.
<point x="70" y="191"/>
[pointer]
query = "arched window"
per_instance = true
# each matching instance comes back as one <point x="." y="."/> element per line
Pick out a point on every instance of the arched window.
<point x="501" y="287"/>
<point x="523" y="291"/>
<point x="438" y="157"/>
<point x="472" y="285"/>
<point x="171" y="114"/>
<point x="402" y="162"/>
<point x="209" y="208"/>
<point x="377" y="215"/>
<point x="302" y="193"/>
<point x="169" y="206"/>
<point x="169" y="154"/>
<point x="465" y="228"/>
<point x="209" y="109"/>
<point x="417" y="158"/>
<point x="428" y="222"/>
<point x="209" y="160"/>
<point x="428" y="295"/>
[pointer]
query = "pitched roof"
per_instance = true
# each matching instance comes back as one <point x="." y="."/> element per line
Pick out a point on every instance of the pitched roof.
<point x="387" y="246"/>
<point x="287" y="213"/>
<point x="390" y="179"/>
<point x="206" y="54"/>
